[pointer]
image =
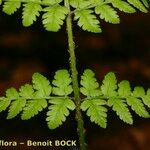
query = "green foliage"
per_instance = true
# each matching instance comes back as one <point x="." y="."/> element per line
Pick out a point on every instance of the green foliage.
<point x="26" y="91"/>
<point x="62" y="83"/>
<point x="118" y="96"/>
<point x="33" y="107"/>
<point x="146" y="98"/>
<point x="137" y="105"/>
<point x="32" y="99"/>
<point x="30" y="11"/>
<point x="90" y="86"/>
<point x="145" y="2"/>
<point x="79" y="4"/>
<point x="109" y="85"/>
<point x="51" y="2"/>
<point x="84" y="11"/>
<point x="58" y="111"/>
<point x="96" y="111"/>
<point x="124" y="89"/>
<point x="4" y="103"/>
<point x="138" y="4"/>
<point x="41" y="85"/>
<point x="87" y="20"/>
<point x="16" y="107"/>
<point x="54" y="16"/>
<point x="11" y="6"/>
<point x="123" y="6"/>
<point x="12" y="94"/>
<point x="107" y="13"/>
<point x="121" y="109"/>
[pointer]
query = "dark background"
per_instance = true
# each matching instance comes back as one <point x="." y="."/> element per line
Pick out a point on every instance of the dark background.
<point x="123" y="49"/>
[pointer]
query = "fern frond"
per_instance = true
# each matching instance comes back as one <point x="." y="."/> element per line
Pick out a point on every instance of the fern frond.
<point x="121" y="109"/>
<point x="54" y="17"/>
<point x="30" y="12"/>
<point x="41" y="85"/>
<point x="138" y="4"/>
<point x="58" y="112"/>
<point x="109" y="85"/>
<point x="123" y="6"/>
<point x="107" y="13"/>
<point x="118" y="96"/>
<point x="11" y="6"/>
<point x="15" y="108"/>
<point x="62" y="83"/>
<point x="90" y="86"/>
<point x="96" y="111"/>
<point x="33" y="107"/>
<point x="87" y="20"/>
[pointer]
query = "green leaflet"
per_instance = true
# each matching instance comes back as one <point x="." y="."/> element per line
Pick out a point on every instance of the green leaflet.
<point x="124" y="89"/>
<point x="87" y="20"/>
<point x="96" y="111"/>
<point x="11" y="6"/>
<point x="53" y="17"/>
<point x="26" y="91"/>
<point x="80" y="3"/>
<point x="30" y="12"/>
<point x="4" y="103"/>
<point x="123" y="6"/>
<point x="42" y="85"/>
<point x="121" y="109"/>
<point x="109" y="85"/>
<point x="58" y="112"/>
<point x="137" y="106"/>
<point x="148" y="92"/>
<point x="33" y="107"/>
<point x="62" y="83"/>
<point x="15" y="108"/>
<point x="138" y="92"/>
<point x="51" y="2"/>
<point x="145" y="2"/>
<point x="90" y="86"/>
<point x="138" y="4"/>
<point x="146" y="98"/>
<point x="96" y="2"/>
<point x="107" y="13"/>
<point x="12" y="94"/>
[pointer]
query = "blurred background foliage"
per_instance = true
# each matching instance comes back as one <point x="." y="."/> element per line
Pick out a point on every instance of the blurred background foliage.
<point x="123" y="49"/>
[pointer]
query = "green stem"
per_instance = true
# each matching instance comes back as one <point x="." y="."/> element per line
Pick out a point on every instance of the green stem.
<point x="74" y="73"/>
